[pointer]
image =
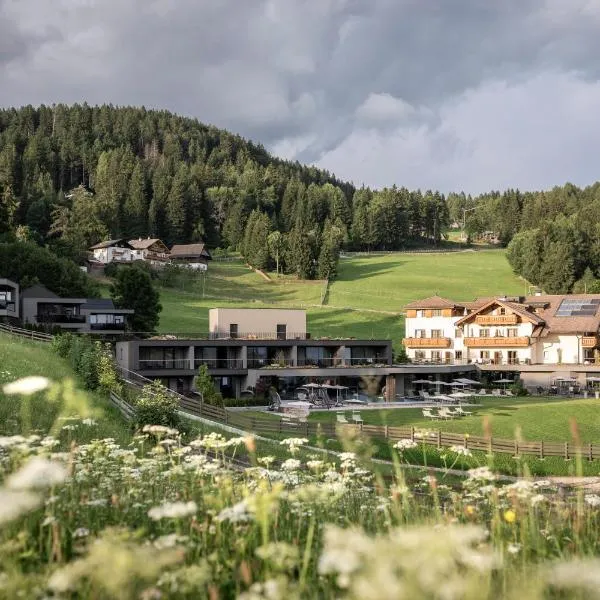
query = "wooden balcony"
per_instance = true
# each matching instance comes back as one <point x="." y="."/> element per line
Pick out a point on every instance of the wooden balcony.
<point x="590" y="341"/>
<point x="496" y="319"/>
<point x="496" y="342"/>
<point x="440" y="342"/>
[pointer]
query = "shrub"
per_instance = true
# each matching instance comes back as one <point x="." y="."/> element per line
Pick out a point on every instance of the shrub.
<point x="205" y="385"/>
<point x="256" y="401"/>
<point x="156" y="406"/>
<point x="518" y="389"/>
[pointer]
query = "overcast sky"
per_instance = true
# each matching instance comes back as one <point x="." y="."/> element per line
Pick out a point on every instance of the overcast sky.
<point x="453" y="95"/>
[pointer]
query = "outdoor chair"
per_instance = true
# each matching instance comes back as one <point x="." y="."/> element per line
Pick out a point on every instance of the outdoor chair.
<point x="508" y="393"/>
<point x="464" y="413"/>
<point x="496" y="392"/>
<point x="429" y="415"/>
<point x="341" y="418"/>
<point x="357" y="418"/>
<point x="445" y="413"/>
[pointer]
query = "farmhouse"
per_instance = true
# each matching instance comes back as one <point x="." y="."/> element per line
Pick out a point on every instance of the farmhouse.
<point x="193" y="256"/>
<point x="119" y="251"/>
<point x="151" y="250"/>
<point x="541" y="336"/>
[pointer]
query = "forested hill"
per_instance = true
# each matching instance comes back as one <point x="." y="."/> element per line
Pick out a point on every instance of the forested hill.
<point x="73" y="175"/>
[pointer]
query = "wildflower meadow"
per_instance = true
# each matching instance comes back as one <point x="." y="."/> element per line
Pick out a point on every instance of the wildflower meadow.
<point x="180" y="515"/>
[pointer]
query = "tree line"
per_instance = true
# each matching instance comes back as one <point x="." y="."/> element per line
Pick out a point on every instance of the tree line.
<point x="552" y="237"/>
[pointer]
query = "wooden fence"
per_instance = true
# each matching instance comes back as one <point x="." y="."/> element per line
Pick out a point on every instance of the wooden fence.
<point x="26" y="333"/>
<point x="267" y="425"/>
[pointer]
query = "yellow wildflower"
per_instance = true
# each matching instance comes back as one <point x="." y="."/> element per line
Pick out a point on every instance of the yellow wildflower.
<point x="510" y="516"/>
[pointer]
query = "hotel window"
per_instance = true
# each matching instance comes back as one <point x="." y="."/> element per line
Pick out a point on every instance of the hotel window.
<point x="436" y="333"/>
<point x="484" y="333"/>
<point x="420" y="314"/>
<point x="281" y="332"/>
<point x="501" y="311"/>
<point x="484" y="354"/>
<point x="436" y="356"/>
<point x="512" y="332"/>
<point x="233" y="330"/>
<point x="458" y="332"/>
<point x="419" y="355"/>
<point x="498" y="333"/>
<point x="420" y="333"/>
<point x="458" y="354"/>
<point x="436" y="312"/>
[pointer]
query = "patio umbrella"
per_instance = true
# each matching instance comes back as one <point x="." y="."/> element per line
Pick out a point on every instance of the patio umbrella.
<point x="422" y="381"/>
<point x="311" y="385"/>
<point x="503" y="381"/>
<point x="468" y="381"/>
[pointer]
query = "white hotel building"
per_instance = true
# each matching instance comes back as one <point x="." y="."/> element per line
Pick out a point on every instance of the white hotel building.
<point x="540" y="336"/>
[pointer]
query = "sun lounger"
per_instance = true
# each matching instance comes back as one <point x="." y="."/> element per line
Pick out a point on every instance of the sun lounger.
<point x="429" y="415"/>
<point x="357" y="418"/>
<point x="341" y="418"/>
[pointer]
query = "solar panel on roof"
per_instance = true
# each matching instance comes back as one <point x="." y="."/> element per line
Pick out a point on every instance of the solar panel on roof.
<point x="578" y="307"/>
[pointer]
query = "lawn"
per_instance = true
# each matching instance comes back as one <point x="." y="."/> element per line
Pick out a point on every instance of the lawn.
<point x="365" y="301"/>
<point x="536" y="418"/>
<point x="22" y="358"/>
<point x="388" y="282"/>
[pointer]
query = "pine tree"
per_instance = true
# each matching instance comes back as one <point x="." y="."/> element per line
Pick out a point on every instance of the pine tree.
<point x="177" y="206"/>
<point x="136" y="205"/>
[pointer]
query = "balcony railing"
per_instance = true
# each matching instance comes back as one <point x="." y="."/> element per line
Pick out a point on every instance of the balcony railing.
<point x="496" y="319"/>
<point x="590" y="341"/>
<point x="496" y="342"/>
<point x="59" y="318"/>
<point x="220" y="363"/>
<point x="258" y="335"/>
<point x="422" y="342"/>
<point x="269" y="363"/>
<point x="180" y="364"/>
<point x="107" y="326"/>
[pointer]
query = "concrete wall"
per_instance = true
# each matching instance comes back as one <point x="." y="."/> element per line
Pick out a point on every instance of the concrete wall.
<point x="13" y="288"/>
<point x="560" y="349"/>
<point x="256" y="320"/>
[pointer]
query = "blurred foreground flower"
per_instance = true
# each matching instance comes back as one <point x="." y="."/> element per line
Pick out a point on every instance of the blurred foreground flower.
<point x="38" y="473"/>
<point x="26" y="386"/>
<point x="173" y="510"/>
<point x="15" y="503"/>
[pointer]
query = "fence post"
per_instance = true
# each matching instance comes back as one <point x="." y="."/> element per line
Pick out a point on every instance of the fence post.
<point x="439" y="439"/>
<point x="466" y="442"/>
<point x="226" y="418"/>
<point x="542" y="449"/>
<point x="307" y="428"/>
<point x="490" y="446"/>
<point x="385" y="433"/>
<point x="412" y="433"/>
<point x="566" y="450"/>
<point x="516" y="447"/>
<point x="252" y="427"/>
<point x="590" y="452"/>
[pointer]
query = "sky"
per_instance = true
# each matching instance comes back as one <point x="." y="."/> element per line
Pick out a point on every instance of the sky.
<point x="453" y="95"/>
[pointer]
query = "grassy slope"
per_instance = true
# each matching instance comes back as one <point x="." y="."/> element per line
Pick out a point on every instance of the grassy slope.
<point x="21" y="358"/>
<point x="364" y="301"/>
<point x="545" y="419"/>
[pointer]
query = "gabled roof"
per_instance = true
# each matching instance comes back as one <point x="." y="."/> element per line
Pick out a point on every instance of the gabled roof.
<point x="190" y="251"/>
<point x="120" y="243"/>
<point x="432" y="302"/>
<point x="141" y="244"/>
<point x="38" y="291"/>
<point x="518" y="309"/>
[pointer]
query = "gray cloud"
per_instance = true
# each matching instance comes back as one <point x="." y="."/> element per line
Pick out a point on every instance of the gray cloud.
<point x="330" y="81"/>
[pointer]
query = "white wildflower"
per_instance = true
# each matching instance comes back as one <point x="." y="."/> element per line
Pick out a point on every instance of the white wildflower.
<point x="513" y="548"/>
<point x="482" y="473"/>
<point x="266" y="460"/>
<point x="160" y="430"/>
<point x="592" y="500"/>
<point x="26" y="386"/>
<point x="173" y="510"/>
<point x="291" y="464"/>
<point x="460" y="450"/>
<point x="537" y="499"/>
<point x="238" y="513"/>
<point x="81" y="532"/>
<point x="315" y="465"/>
<point x="89" y="422"/>
<point x="405" y="445"/>
<point x="38" y="473"/>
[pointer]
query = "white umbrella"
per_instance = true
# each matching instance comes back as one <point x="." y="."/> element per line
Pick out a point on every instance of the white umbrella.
<point x="459" y="384"/>
<point x="503" y="381"/>
<point x="468" y="381"/>
<point x="422" y="381"/>
<point x="311" y="385"/>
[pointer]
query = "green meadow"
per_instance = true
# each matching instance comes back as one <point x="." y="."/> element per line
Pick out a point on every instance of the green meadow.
<point x="365" y="300"/>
